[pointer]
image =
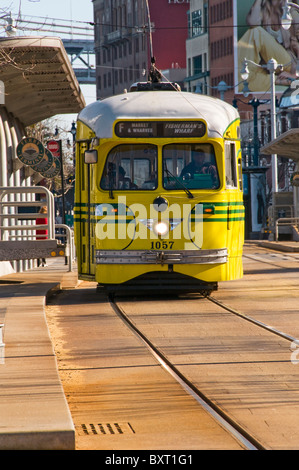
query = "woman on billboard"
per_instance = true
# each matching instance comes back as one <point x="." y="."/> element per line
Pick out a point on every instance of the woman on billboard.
<point x="266" y="39"/>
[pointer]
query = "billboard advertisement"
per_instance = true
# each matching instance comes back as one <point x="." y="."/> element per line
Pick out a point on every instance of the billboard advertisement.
<point x="261" y="37"/>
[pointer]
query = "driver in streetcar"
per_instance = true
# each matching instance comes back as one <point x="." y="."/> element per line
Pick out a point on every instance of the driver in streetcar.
<point x="199" y="165"/>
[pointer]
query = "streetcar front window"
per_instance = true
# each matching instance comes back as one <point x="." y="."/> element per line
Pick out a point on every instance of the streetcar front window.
<point x="191" y="165"/>
<point x="131" y="167"/>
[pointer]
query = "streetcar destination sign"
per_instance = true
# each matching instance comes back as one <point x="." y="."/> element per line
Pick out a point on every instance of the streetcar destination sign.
<point x="160" y="129"/>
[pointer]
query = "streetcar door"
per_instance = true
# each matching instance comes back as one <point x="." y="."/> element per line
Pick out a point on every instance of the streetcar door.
<point x="85" y="248"/>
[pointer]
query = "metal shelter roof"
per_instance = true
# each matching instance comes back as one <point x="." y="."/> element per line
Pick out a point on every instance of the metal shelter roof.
<point x="286" y="145"/>
<point x="38" y="78"/>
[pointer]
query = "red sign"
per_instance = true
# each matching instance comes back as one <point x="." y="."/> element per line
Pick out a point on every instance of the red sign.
<point x="54" y="147"/>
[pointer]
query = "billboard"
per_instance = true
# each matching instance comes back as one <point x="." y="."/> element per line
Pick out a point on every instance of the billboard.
<point x="170" y="32"/>
<point x="259" y="38"/>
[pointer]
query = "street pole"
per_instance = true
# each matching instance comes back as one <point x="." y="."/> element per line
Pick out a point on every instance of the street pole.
<point x="62" y="181"/>
<point x="256" y="143"/>
<point x="272" y="66"/>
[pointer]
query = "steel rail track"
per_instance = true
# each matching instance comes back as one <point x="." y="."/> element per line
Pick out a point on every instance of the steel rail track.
<point x="247" y="441"/>
<point x="247" y="317"/>
<point x="252" y="320"/>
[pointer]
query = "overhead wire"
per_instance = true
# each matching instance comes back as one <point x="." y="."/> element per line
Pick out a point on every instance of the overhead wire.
<point x="133" y="27"/>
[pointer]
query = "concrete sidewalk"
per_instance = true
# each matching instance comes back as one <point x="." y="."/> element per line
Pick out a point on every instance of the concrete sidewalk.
<point x="287" y="246"/>
<point x="34" y="414"/>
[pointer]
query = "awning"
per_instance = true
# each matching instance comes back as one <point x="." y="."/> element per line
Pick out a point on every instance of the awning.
<point x="38" y="78"/>
<point x="286" y="145"/>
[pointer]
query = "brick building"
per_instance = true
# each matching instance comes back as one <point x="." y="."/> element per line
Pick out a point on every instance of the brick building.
<point x="122" y="43"/>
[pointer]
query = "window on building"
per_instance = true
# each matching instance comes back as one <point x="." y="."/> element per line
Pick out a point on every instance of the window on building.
<point x="206" y="17"/>
<point x="197" y="65"/>
<point x="196" y="28"/>
<point x="99" y="83"/>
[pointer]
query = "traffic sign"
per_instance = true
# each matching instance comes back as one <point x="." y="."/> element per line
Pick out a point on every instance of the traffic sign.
<point x="54" y="147"/>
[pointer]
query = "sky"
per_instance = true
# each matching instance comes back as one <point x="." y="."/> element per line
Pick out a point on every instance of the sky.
<point x="76" y="11"/>
<point x="66" y="9"/>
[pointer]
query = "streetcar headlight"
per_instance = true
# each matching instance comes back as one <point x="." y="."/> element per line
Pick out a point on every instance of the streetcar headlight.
<point x="161" y="228"/>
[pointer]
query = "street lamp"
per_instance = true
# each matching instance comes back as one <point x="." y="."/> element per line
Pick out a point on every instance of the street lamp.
<point x="246" y="91"/>
<point x="271" y="66"/>
<point x="73" y="131"/>
<point x="222" y="88"/>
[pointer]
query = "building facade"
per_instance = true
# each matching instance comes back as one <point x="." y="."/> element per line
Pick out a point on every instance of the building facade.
<point x="221" y="31"/>
<point x="197" y="48"/>
<point x="122" y="41"/>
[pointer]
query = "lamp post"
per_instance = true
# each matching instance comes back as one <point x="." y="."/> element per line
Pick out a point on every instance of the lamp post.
<point x="73" y="132"/>
<point x="271" y="66"/>
<point x="59" y="143"/>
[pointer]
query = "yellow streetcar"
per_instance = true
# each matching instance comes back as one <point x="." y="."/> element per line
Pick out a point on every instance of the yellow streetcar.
<point x="158" y="198"/>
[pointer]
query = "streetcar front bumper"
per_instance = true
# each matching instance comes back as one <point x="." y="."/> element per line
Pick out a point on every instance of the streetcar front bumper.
<point x="161" y="257"/>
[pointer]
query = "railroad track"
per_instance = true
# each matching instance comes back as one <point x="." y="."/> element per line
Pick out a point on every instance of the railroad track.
<point x="258" y="323"/>
<point x="266" y="382"/>
<point x="246" y="440"/>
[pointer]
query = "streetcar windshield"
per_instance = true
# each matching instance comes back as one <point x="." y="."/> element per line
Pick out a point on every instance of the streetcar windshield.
<point x="193" y="165"/>
<point x="131" y="167"/>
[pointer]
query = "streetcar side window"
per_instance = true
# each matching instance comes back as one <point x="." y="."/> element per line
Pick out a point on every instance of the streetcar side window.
<point x="230" y="165"/>
<point x="192" y="166"/>
<point x="131" y="167"/>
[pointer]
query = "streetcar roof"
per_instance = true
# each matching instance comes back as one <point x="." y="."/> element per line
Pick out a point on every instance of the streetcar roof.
<point x="100" y="116"/>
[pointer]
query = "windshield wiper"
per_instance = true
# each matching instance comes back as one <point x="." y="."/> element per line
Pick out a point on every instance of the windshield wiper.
<point x="168" y="173"/>
<point x="111" y="180"/>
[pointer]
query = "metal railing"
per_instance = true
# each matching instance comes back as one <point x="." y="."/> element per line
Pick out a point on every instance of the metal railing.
<point x="14" y="198"/>
<point x="69" y="236"/>
<point x="19" y="211"/>
<point x="274" y="212"/>
<point x="285" y="221"/>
